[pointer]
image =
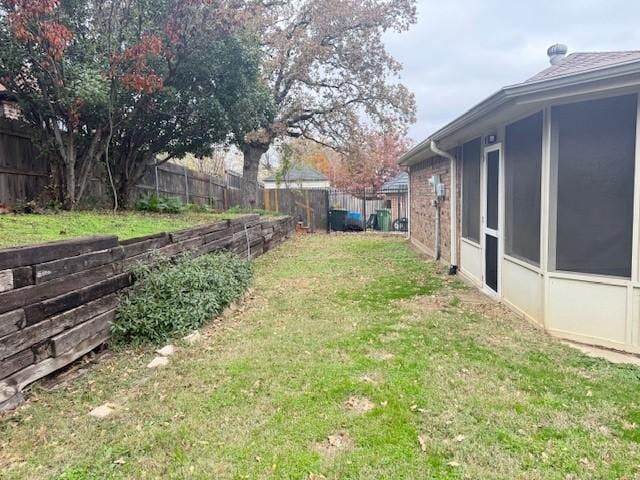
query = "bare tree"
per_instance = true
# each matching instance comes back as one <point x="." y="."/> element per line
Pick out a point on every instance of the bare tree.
<point x="328" y="71"/>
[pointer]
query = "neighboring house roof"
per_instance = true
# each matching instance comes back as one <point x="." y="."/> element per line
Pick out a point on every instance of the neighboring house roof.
<point x="575" y="70"/>
<point x="399" y="183"/>
<point x="300" y="173"/>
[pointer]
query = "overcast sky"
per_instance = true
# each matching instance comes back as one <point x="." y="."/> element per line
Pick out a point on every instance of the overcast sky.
<point x="462" y="51"/>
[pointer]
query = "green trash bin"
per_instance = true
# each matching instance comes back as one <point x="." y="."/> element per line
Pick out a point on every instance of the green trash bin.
<point x="384" y="219"/>
<point x="338" y="219"/>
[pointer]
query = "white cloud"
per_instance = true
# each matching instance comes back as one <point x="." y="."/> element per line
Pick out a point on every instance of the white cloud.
<point x="462" y="51"/>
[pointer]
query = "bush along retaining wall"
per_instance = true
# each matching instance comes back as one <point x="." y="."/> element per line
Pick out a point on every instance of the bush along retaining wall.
<point x="58" y="299"/>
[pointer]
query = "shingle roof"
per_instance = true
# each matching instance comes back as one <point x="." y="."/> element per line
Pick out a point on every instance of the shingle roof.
<point x="581" y="62"/>
<point x="399" y="183"/>
<point x="300" y="173"/>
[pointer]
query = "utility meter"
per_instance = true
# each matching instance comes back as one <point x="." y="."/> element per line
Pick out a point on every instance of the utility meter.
<point x="438" y="187"/>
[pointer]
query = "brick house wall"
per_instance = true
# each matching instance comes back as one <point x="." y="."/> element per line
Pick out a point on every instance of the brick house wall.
<point x="423" y="213"/>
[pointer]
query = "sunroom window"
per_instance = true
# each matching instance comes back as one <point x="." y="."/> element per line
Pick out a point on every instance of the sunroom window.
<point x="523" y="168"/>
<point x="471" y="190"/>
<point x="593" y="163"/>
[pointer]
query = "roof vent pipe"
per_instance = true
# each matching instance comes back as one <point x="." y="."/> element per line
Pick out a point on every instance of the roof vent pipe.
<point x="557" y="53"/>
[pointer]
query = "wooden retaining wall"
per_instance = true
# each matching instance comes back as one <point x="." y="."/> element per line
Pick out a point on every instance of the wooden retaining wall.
<point x="57" y="300"/>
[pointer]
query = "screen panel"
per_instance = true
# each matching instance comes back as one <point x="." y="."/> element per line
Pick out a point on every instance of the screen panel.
<point x="471" y="152"/>
<point x="523" y="171"/>
<point x="595" y="185"/>
<point x="493" y="176"/>
<point x="491" y="262"/>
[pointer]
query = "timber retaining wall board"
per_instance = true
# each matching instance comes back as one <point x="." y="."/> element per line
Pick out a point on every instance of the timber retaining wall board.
<point x="58" y="299"/>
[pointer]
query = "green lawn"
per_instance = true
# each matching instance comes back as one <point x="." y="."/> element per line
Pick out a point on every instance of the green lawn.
<point x="352" y="360"/>
<point x="29" y="229"/>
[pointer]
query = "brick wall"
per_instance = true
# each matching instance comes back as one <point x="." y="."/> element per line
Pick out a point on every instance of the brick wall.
<point x="57" y="300"/>
<point x="423" y="213"/>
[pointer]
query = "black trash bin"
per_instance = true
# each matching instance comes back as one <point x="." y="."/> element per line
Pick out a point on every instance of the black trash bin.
<point x="338" y="219"/>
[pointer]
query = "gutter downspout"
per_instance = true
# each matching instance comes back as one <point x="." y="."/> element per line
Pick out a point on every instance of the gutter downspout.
<point x="453" y="201"/>
<point x="409" y="204"/>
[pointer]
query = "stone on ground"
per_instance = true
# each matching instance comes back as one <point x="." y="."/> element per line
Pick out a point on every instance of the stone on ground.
<point x="158" y="362"/>
<point x="103" y="411"/>
<point x="166" y="351"/>
<point x="193" y="338"/>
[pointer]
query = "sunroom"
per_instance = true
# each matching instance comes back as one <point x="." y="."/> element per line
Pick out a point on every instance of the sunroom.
<point x="546" y="175"/>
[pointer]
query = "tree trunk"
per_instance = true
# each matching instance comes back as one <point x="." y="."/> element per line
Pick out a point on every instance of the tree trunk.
<point x="252" y="153"/>
<point x="128" y="172"/>
<point x="123" y="191"/>
<point x="70" y="183"/>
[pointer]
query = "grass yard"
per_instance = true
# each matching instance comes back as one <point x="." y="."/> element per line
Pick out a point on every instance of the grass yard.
<point x="352" y="360"/>
<point x="29" y="229"/>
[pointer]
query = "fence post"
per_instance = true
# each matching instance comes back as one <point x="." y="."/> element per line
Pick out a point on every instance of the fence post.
<point x="326" y="197"/>
<point x="364" y="208"/>
<point x="155" y="165"/>
<point x="210" y="191"/>
<point x="186" y="184"/>
<point x="308" y="208"/>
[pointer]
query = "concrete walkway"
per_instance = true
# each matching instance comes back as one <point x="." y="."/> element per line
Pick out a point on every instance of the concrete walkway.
<point x="609" y="355"/>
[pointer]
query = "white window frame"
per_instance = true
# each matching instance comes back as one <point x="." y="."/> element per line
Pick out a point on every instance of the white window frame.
<point x="484" y="230"/>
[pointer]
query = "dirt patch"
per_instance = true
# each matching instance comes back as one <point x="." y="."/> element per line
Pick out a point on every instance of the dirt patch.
<point x="373" y="378"/>
<point x="359" y="405"/>
<point x="426" y="303"/>
<point x="400" y="326"/>
<point x="381" y="356"/>
<point x="475" y="301"/>
<point x="335" y="443"/>
<point x="468" y="299"/>
<point x="390" y="337"/>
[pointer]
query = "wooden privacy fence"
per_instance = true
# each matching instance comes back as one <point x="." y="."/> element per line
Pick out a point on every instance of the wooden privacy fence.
<point x="24" y="174"/>
<point x="191" y="186"/>
<point x="171" y="180"/>
<point x="309" y="206"/>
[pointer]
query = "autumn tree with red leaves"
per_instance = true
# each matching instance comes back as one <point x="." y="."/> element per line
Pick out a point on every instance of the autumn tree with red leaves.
<point x="366" y="164"/>
<point x="132" y="78"/>
<point x="371" y="162"/>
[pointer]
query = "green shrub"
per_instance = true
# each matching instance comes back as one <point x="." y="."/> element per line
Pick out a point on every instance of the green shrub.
<point x="153" y="203"/>
<point x="175" y="297"/>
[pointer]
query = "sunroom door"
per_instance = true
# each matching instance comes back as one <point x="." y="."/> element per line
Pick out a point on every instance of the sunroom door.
<point x="491" y="218"/>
